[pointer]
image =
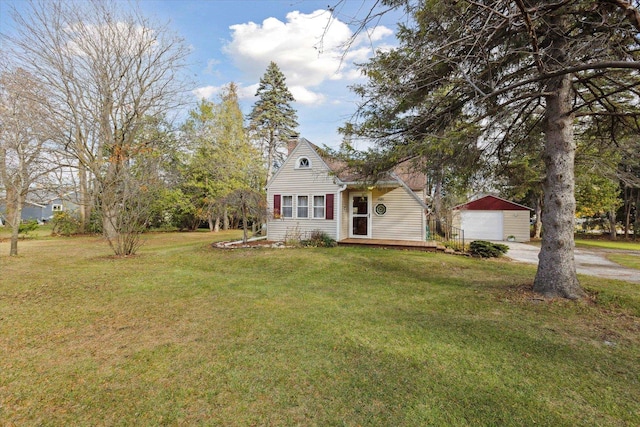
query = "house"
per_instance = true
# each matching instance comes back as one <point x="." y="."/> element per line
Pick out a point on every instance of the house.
<point x="492" y="218"/>
<point x="42" y="205"/>
<point x="313" y="191"/>
<point x="30" y="211"/>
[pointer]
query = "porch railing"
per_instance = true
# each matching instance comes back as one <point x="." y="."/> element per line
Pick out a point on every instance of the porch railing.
<point x="448" y="235"/>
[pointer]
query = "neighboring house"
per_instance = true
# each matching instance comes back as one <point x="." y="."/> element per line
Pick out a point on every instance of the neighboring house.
<point x="30" y="211"/>
<point x="46" y="206"/>
<point x="66" y="203"/>
<point x="313" y="191"/>
<point x="493" y="218"/>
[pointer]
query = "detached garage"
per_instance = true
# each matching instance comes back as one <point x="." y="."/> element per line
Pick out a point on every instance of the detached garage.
<point x="492" y="218"/>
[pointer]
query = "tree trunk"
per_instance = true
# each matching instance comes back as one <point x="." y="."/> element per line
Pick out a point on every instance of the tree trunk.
<point x="211" y="223"/>
<point x="15" y="228"/>
<point x="636" y="223"/>
<point x="109" y="222"/>
<point x="216" y="226"/>
<point x="613" y="233"/>
<point x="245" y="234"/>
<point x="10" y="208"/>
<point x="225" y="219"/>
<point x="628" y="194"/>
<point x="83" y="198"/>
<point x="537" y="227"/>
<point x="556" y="275"/>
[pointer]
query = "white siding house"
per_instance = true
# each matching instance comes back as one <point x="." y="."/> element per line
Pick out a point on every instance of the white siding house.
<point x="312" y="191"/>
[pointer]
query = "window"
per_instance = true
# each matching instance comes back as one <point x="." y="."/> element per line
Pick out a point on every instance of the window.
<point x="318" y="207"/>
<point x="380" y="209"/>
<point x="56" y="208"/>
<point x="287" y="206"/>
<point x="303" y="163"/>
<point x="303" y="206"/>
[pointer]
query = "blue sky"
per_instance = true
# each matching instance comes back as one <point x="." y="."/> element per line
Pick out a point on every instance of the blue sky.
<point x="234" y="40"/>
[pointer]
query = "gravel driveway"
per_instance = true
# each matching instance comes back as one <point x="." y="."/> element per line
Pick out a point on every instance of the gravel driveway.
<point x="591" y="262"/>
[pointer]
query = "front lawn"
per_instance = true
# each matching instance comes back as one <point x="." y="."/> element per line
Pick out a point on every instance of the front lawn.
<point x="184" y="334"/>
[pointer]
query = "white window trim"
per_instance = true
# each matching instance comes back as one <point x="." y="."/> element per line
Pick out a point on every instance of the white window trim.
<point x="282" y="206"/>
<point x="324" y="206"/>
<point x="299" y="159"/>
<point x="308" y="206"/>
<point x="57" y="207"/>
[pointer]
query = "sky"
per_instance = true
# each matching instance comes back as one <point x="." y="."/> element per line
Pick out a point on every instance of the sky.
<point x="234" y="41"/>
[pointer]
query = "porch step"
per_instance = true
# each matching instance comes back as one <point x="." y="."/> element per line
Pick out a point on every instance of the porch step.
<point x="428" y="246"/>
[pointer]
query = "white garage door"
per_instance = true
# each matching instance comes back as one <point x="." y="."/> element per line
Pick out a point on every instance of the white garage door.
<point x="484" y="225"/>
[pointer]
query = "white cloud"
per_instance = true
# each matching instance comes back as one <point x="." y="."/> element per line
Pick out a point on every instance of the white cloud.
<point x="209" y="92"/>
<point x="308" y="48"/>
<point x="206" y="92"/>
<point x="211" y="67"/>
<point x="305" y="96"/>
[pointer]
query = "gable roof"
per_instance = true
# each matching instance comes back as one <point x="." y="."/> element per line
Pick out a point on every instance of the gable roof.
<point x="403" y="175"/>
<point x="293" y="154"/>
<point x="491" y="203"/>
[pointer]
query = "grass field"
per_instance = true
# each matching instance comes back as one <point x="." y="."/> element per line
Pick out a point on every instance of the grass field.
<point x="626" y="260"/>
<point x="184" y="334"/>
<point x="609" y="244"/>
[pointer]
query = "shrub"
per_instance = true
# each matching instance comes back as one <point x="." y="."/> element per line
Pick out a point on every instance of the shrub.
<point x="65" y="224"/>
<point x="319" y="239"/>
<point x="27" y="227"/>
<point x="486" y="249"/>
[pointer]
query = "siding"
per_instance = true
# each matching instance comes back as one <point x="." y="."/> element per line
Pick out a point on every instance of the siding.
<point x="404" y="219"/>
<point x="288" y="180"/>
<point x="516" y="223"/>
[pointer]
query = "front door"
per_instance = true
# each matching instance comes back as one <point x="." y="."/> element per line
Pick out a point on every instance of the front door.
<point x="360" y="215"/>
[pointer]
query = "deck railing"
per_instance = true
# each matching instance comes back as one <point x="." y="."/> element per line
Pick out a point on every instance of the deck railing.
<point x="448" y="235"/>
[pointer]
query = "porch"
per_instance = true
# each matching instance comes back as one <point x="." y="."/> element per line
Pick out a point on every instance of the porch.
<point x="427" y="246"/>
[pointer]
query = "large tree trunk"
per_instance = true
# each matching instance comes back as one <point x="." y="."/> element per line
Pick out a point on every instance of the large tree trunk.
<point x="556" y="275"/>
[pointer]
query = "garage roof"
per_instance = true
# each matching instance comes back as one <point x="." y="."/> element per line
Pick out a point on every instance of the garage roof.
<point x="492" y="203"/>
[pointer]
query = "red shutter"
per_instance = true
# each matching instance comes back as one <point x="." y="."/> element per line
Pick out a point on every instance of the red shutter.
<point x="328" y="212"/>
<point x="276" y="206"/>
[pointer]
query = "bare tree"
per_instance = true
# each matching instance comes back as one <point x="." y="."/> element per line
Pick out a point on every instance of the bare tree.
<point x="24" y="143"/>
<point x="109" y="69"/>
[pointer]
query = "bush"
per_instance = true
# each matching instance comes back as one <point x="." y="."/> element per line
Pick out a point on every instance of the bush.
<point x="319" y="239"/>
<point x="27" y="227"/>
<point x="486" y="249"/>
<point x="65" y="224"/>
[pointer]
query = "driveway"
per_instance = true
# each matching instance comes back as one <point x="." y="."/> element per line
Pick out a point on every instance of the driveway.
<point x="591" y="262"/>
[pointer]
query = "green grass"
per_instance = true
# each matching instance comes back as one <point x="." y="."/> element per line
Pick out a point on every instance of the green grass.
<point x="626" y="260"/>
<point x="184" y="334"/>
<point x="609" y="244"/>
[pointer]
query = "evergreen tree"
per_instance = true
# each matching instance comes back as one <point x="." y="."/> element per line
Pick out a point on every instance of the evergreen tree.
<point x="272" y="121"/>
<point x="222" y="158"/>
<point x="508" y="66"/>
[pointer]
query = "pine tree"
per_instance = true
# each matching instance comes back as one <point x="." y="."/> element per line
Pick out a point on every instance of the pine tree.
<point x="509" y="66"/>
<point x="272" y="121"/>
